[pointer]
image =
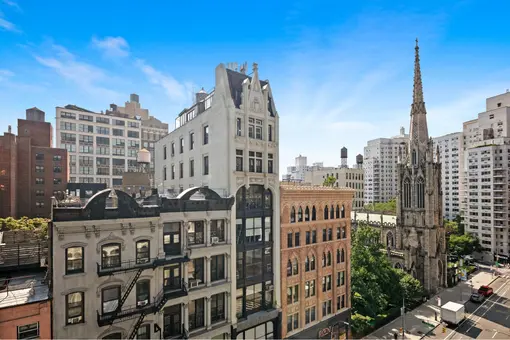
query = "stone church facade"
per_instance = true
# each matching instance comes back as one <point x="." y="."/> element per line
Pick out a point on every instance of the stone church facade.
<point x="417" y="243"/>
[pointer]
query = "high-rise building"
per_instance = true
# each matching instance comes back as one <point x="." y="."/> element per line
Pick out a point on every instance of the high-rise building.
<point x="418" y="242"/>
<point x="228" y="141"/>
<point x="316" y="260"/>
<point x="485" y="184"/>
<point x="352" y="178"/>
<point x="101" y="146"/>
<point x="31" y="170"/>
<point x="152" y="128"/>
<point x="450" y="153"/>
<point x="156" y="269"/>
<point x="380" y="165"/>
<point x="297" y="172"/>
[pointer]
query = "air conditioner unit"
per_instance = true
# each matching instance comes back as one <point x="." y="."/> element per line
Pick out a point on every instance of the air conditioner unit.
<point x="76" y="320"/>
<point x="193" y="283"/>
<point x="142" y="303"/>
<point x="215" y="239"/>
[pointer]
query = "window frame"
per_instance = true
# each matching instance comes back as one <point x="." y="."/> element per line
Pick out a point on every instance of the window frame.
<point x="82" y="307"/>
<point x="142" y="260"/>
<point x="103" y="258"/>
<point x="75" y="271"/>
<point x="37" y="329"/>
<point x="117" y="287"/>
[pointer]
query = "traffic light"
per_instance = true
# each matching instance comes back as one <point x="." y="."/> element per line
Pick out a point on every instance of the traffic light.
<point x="444" y="329"/>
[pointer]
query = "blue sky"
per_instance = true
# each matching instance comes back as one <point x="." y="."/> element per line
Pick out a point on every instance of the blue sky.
<point x="341" y="72"/>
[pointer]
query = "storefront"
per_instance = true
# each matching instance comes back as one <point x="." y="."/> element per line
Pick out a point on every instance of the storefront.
<point x="332" y="328"/>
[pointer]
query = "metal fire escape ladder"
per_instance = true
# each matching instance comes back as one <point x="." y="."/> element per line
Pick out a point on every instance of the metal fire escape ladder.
<point x="137" y="325"/>
<point x="129" y="289"/>
<point x="160" y="300"/>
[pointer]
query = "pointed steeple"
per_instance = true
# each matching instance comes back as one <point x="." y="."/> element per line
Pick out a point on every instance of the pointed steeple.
<point x="255" y="82"/>
<point x="418" y="132"/>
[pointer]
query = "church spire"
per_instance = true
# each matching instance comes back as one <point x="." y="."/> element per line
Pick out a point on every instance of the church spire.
<point x="418" y="132"/>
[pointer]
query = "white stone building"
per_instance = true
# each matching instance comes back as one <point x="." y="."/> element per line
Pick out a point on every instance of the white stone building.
<point x="100" y="147"/>
<point x="228" y="141"/>
<point x="486" y="182"/>
<point x="450" y="153"/>
<point x="380" y="165"/>
<point x="155" y="270"/>
<point x="297" y="171"/>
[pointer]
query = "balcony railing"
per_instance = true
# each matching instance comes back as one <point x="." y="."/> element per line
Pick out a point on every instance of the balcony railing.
<point x="125" y="314"/>
<point x="141" y="263"/>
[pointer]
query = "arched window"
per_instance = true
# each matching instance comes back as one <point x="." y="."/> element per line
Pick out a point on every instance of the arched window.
<point x="292" y="215"/>
<point x="307" y="264"/>
<point x="338" y="256"/>
<point x="332" y="213"/>
<point x="389" y="239"/>
<point x="307" y="214"/>
<point x="337" y="211"/>
<point x="342" y="255"/>
<point x="312" y="262"/>
<point x="407" y="193"/>
<point x="420" y="193"/>
<point x="289" y="268"/>
<point x="414" y="157"/>
<point x="142" y="251"/>
<point x="342" y="215"/>
<point x="329" y="258"/>
<point x="326" y="212"/>
<point x="314" y="213"/>
<point x="323" y="259"/>
<point x="295" y="267"/>
<point x="110" y="255"/>
<point x="344" y="233"/>
<point x="300" y="215"/>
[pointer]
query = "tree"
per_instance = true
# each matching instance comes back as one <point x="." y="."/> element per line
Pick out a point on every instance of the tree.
<point x="389" y="207"/>
<point x="329" y="181"/>
<point x="465" y="244"/>
<point x="38" y="225"/>
<point x="451" y="227"/>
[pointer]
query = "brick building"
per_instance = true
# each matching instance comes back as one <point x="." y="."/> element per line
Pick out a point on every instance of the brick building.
<point x="31" y="170"/>
<point x="315" y="255"/>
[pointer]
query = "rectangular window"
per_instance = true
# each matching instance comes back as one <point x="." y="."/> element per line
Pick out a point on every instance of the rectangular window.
<point x="57" y="181"/>
<point x="144" y="332"/>
<point x="292" y="294"/>
<point x="251" y="161"/>
<point x="74" y="308"/>
<point x="258" y="162"/>
<point x="217" y="268"/>
<point x="340" y="302"/>
<point x="39" y="193"/>
<point x="133" y="134"/>
<point x="206" y="134"/>
<point x="307" y="237"/>
<point x="206" y="165"/>
<point x="85" y="128"/>
<point x="142" y="251"/>
<point x="181" y="170"/>
<point x="292" y="322"/>
<point x="196" y="272"/>
<point x="110" y="255"/>
<point x="296" y="239"/>
<point x="270" y="133"/>
<point x="74" y="260"/>
<point x="196" y="314"/>
<point x="217" y="231"/>
<point x="324" y="235"/>
<point x="289" y="240"/>
<point x="173" y="149"/>
<point x="314" y="236"/>
<point x="218" y="307"/>
<point x="191" y="168"/>
<point x="251" y="128"/>
<point x="30" y="331"/>
<point x="239" y="160"/>
<point x="39" y="180"/>
<point x="270" y="163"/>
<point x="173" y="171"/>
<point x="196" y="232"/>
<point x="142" y="293"/>
<point x="239" y="128"/>
<point x="326" y="283"/>
<point x="191" y="141"/>
<point x="326" y="308"/>
<point x="309" y="288"/>
<point x="39" y="168"/>
<point x="118" y="122"/>
<point x="164" y="173"/>
<point x="164" y="152"/>
<point x="110" y="298"/>
<point x="310" y="315"/>
<point x="39" y="157"/>
<point x="102" y="130"/>
<point x="181" y="145"/>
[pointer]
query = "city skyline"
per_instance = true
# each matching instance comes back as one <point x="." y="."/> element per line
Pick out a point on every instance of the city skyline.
<point x="340" y="77"/>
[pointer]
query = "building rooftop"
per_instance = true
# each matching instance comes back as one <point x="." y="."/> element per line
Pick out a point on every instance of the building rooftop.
<point x="23" y="289"/>
<point x="300" y="186"/>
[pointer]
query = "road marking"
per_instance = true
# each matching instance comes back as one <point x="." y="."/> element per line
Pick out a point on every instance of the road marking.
<point x="494" y="335"/>
<point x="469" y="317"/>
<point x="493" y="303"/>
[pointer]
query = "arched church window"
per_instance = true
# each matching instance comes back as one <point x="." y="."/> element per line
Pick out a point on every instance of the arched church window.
<point x="292" y="215"/>
<point x="314" y="213"/>
<point x="337" y="211"/>
<point x="342" y="215"/>
<point x="307" y="214"/>
<point x="332" y="212"/>
<point x="420" y="193"/>
<point x="300" y="215"/>
<point x="406" y="195"/>
<point x="414" y="157"/>
<point x="326" y="212"/>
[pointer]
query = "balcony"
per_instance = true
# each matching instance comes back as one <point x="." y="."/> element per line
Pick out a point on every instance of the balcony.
<point x="128" y="313"/>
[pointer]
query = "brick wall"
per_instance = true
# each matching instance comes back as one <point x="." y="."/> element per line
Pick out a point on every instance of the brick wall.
<point x="307" y="196"/>
<point x="11" y="318"/>
<point x="8" y="159"/>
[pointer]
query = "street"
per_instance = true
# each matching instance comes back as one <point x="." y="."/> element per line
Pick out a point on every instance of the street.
<point x="489" y="320"/>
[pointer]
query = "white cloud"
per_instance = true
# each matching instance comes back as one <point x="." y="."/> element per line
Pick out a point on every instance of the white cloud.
<point x="5" y="74"/>
<point x="12" y="4"/>
<point x="112" y="46"/>
<point x="88" y="77"/>
<point x="8" y="26"/>
<point x="175" y="90"/>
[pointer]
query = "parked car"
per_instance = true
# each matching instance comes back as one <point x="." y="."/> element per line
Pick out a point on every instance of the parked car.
<point x="485" y="291"/>
<point x="476" y="297"/>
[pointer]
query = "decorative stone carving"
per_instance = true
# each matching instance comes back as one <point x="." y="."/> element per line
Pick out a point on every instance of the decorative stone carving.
<point x="108" y="239"/>
<point x="239" y="181"/>
<point x="152" y="226"/>
<point x="60" y="234"/>
<point x="87" y="231"/>
<point x="131" y="228"/>
<point x="123" y="228"/>
<point x="97" y="231"/>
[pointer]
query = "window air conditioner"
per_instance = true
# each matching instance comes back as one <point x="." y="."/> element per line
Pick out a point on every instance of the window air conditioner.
<point x="215" y="239"/>
<point x="193" y="283"/>
<point x="142" y="303"/>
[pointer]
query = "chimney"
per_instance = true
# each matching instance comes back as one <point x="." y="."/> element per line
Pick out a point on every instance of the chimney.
<point x="200" y="95"/>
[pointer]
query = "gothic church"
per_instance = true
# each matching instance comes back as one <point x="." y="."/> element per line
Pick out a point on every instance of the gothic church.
<point x="420" y="234"/>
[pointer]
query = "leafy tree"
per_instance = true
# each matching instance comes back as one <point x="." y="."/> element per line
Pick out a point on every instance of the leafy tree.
<point x="451" y="227"/>
<point x="38" y="225"/>
<point x="465" y="244"/>
<point x="458" y="220"/>
<point x="329" y="181"/>
<point x="389" y="207"/>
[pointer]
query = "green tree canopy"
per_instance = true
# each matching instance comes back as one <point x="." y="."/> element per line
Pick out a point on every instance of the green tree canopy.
<point x="37" y="225"/>
<point x="389" y="207"/>
<point x="329" y="181"/>
<point x="465" y="244"/>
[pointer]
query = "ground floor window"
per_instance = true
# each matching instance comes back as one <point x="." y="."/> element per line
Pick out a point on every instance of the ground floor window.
<point x="113" y="336"/>
<point x="30" y="331"/>
<point x="144" y="332"/>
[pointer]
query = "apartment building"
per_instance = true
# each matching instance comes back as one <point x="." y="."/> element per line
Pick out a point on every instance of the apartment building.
<point x="156" y="269"/>
<point x="298" y="170"/>
<point x="380" y="165"/>
<point x="353" y="178"/>
<point x="315" y="255"/>
<point x="228" y="141"/>
<point x="486" y="178"/>
<point x="450" y="152"/>
<point x="101" y="146"/>
<point x="31" y="170"/>
<point x="152" y="128"/>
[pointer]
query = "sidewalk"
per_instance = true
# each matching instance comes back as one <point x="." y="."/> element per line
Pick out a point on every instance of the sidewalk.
<point x="422" y="319"/>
